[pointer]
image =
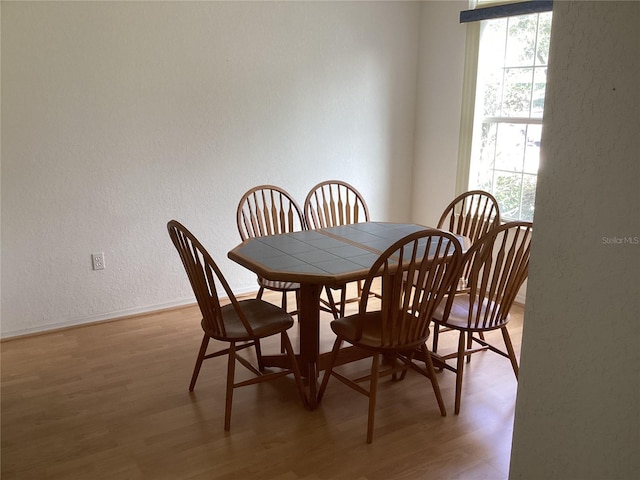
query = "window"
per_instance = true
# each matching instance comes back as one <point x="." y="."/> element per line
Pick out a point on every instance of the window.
<point x="509" y="103"/>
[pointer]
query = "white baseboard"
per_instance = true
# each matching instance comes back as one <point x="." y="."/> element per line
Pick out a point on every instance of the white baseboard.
<point x="115" y="315"/>
<point x="128" y="312"/>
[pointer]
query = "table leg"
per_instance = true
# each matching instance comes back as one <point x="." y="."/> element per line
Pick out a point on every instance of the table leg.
<point x="309" y="315"/>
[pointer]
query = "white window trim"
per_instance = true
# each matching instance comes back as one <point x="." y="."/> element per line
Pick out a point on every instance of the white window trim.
<point x="465" y="140"/>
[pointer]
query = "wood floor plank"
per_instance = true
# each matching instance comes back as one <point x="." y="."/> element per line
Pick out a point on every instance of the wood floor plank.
<point x="110" y="401"/>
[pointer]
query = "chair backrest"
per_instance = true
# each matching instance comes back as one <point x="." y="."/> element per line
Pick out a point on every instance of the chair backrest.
<point x="268" y="210"/>
<point x="471" y="214"/>
<point x="429" y="256"/>
<point x="203" y="273"/>
<point x="333" y="203"/>
<point x="498" y="266"/>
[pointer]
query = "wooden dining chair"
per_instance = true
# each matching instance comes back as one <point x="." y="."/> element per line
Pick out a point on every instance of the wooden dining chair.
<point x="270" y="210"/>
<point x="240" y="324"/>
<point x="498" y="265"/>
<point x="471" y="214"/>
<point x="330" y="204"/>
<point x="400" y="327"/>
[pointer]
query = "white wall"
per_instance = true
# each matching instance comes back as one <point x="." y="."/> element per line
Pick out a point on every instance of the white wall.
<point x="578" y="406"/>
<point x="441" y="69"/>
<point x="118" y="116"/>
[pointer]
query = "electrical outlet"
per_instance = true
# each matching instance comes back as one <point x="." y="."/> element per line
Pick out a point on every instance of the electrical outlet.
<point x="98" y="261"/>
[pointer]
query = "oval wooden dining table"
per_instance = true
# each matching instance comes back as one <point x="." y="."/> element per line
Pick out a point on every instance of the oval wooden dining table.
<point x="315" y="258"/>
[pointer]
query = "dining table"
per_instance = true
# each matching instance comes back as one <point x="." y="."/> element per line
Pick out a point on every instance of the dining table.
<point x="331" y="257"/>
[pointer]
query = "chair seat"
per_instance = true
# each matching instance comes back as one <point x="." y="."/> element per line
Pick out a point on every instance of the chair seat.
<point x="371" y="333"/>
<point x="459" y="315"/>
<point x="265" y="319"/>
<point x="278" y="286"/>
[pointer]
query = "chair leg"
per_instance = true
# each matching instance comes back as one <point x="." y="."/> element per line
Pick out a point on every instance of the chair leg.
<point x="332" y="361"/>
<point x="343" y="299"/>
<point x="332" y="303"/>
<point x="469" y="345"/>
<point x="436" y="334"/>
<point x="201" y="354"/>
<point x="284" y="307"/>
<point x="260" y="292"/>
<point x="256" y="344"/>
<point x="373" y="390"/>
<point x="404" y="372"/>
<point x="434" y="380"/>
<point x="294" y="367"/>
<point x="510" y="351"/>
<point x="231" y="367"/>
<point x="459" y="371"/>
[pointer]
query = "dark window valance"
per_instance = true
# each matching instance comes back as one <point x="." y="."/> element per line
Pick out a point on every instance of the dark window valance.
<point x="507" y="10"/>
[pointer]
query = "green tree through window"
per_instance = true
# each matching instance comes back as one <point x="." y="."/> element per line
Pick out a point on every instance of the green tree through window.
<point x="512" y="74"/>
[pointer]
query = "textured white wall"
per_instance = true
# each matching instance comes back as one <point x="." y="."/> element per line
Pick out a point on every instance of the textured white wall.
<point x="578" y="407"/>
<point x="118" y="116"/>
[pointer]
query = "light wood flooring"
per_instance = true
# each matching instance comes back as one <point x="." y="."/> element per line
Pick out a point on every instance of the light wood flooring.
<point x="110" y="401"/>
